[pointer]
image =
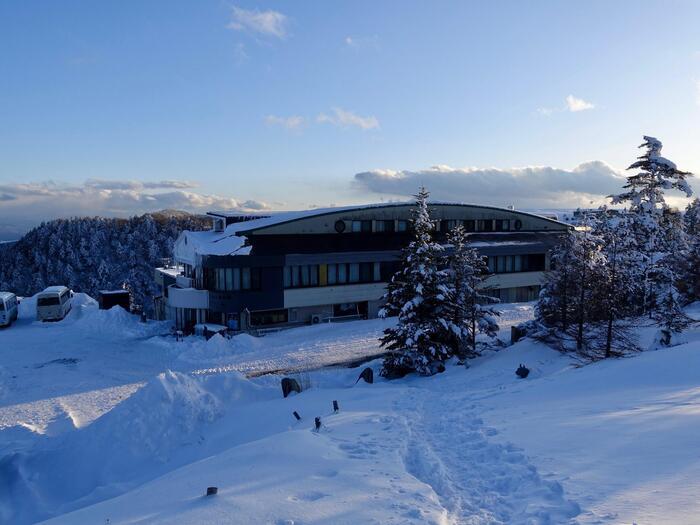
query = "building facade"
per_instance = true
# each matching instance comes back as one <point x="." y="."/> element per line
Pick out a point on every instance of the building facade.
<point x="252" y="272"/>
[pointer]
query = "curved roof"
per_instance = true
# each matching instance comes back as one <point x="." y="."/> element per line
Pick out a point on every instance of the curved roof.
<point x="292" y="216"/>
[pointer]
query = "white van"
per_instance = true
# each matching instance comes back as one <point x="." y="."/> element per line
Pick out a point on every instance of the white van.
<point x="8" y="308"/>
<point x="54" y="303"/>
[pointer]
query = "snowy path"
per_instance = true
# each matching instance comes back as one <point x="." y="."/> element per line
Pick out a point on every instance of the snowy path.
<point x="477" y="480"/>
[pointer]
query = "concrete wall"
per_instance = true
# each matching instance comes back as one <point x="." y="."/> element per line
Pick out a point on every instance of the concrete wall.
<point x="514" y="280"/>
<point x="325" y="295"/>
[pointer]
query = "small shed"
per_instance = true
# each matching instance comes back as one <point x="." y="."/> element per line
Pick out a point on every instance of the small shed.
<point x="110" y="298"/>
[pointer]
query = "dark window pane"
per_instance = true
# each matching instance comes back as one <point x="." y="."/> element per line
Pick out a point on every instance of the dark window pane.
<point x="255" y="278"/>
<point x="469" y="225"/>
<point x="354" y="272"/>
<point x="268" y="318"/>
<point x="332" y="273"/>
<point x="342" y="273"/>
<point x="245" y="278"/>
<point x="366" y="226"/>
<point x="366" y="272"/>
<point x="313" y="275"/>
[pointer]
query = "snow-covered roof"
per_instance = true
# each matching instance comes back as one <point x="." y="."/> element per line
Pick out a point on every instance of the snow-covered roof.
<point x="4" y="296"/>
<point x="283" y="217"/>
<point x="191" y="245"/>
<point x="55" y="289"/>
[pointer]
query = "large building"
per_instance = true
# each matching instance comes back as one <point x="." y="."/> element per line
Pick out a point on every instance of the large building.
<point x="252" y="272"/>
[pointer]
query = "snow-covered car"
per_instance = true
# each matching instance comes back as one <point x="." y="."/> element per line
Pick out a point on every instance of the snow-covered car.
<point x="54" y="303"/>
<point x="8" y="308"/>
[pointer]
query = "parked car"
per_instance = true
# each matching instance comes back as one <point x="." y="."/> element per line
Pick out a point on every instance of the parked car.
<point x="54" y="303"/>
<point x="8" y="308"/>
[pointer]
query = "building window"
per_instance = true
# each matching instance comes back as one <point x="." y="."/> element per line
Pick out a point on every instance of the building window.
<point x="342" y="273"/>
<point x="485" y="225"/>
<point x="354" y="273"/>
<point x="469" y="225"/>
<point x="362" y="226"/>
<point x="384" y="226"/>
<point x="235" y="279"/>
<point x="402" y="226"/>
<point x="345" y="309"/>
<point x="516" y="263"/>
<point x="502" y="225"/>
<point x="302" y="276"/>
<point x="268" y="317"/>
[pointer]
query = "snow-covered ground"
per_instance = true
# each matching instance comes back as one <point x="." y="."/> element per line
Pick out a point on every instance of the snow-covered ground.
<point x="107" y="420"/>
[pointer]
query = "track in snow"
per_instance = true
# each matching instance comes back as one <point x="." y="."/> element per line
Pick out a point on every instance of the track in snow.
<point x="477" y="480"/>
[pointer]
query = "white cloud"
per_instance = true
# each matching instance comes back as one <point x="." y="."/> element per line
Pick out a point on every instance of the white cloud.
<point x="267" y="23"/>
<point x="292" y="123"/>
<point x="697" y="92"/>
<point x="25" y="205"/>
<point x="344" y="118"/>
<point x="577" y="104"/>
<point x="106" y="184"/>
<point x="526" y="187"/>
<point x="571" y="104"/>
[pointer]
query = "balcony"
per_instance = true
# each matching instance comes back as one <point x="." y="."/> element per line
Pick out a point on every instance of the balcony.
<point x="187" y="298"/>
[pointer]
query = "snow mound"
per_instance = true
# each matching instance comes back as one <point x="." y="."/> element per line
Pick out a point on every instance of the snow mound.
<point x="117" y="322"/>
<point x="217" y="349"/>
<point x="158" y="428"/>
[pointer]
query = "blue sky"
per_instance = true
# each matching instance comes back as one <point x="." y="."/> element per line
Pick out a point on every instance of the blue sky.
<point x="120" y="107"/>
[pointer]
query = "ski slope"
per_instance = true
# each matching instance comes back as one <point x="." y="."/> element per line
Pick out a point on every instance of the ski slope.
<point x="108" y="420"/>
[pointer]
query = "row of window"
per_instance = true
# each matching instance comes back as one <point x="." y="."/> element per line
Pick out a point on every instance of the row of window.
<point x="234" y="279"/>
<point x="470" y="225"/>
<point x="313" y="275"/>
<point x="307" y="275"/>
<point x="516" y="263"/>
<point x="482" y="225"/>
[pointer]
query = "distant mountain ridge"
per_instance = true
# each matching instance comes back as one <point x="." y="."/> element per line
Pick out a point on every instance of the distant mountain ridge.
<point x="89" y="254"/>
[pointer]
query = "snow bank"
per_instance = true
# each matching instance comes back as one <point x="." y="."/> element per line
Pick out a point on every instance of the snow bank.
<point x="117" y="323"/>
<point x="157" y="428"/>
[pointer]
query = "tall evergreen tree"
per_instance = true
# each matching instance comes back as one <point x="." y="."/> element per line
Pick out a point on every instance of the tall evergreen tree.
<point x="618" y="287"/>
<point x="469" y="310"/>
<point x="417" y="294"/>
<point x="654" y="227"/>
<point x="689" y="262"/>
<point x="569" y="303"/>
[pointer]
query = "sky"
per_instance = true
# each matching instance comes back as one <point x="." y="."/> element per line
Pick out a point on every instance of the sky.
<point x="118" y="108"/>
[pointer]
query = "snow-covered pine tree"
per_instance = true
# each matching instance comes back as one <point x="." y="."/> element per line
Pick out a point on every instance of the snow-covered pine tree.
<point x="416" y="293"/>
<point x="618" y="288"/>
<point x="689" y="262"/>
<point x="570" y="298"/>
<point x="554" y="308"/>
<point x="653" y="230"/>
<point x="669" y="311"/>
<point x="691" y="218"/>
<point x="469" y="311"/>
